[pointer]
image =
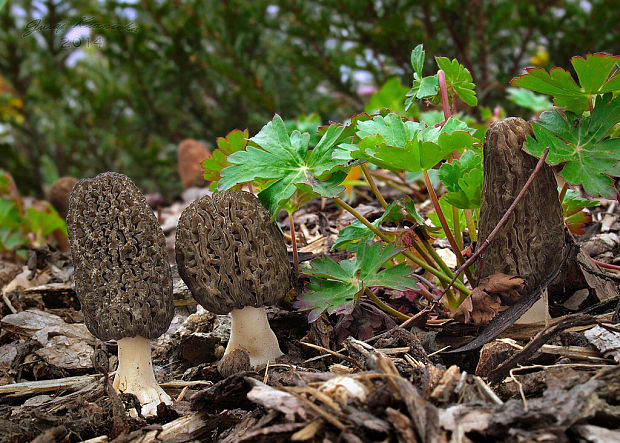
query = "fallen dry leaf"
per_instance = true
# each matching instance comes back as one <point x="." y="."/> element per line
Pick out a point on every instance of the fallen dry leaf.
<point x="488" y="297"/>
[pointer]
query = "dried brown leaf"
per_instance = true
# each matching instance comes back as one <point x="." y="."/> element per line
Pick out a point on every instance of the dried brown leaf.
<point x="487" y="298"/>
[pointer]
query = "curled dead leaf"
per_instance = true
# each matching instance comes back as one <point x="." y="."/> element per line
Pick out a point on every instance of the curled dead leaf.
<point x="488" y="297"/>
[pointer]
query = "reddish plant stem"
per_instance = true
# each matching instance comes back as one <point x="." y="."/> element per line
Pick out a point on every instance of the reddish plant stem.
<point x="441" y="76"/>
<point x="606" y="265"/>
<point x="425" y="293"/>
<point x="294" y="243"/>
<point x="414" y="318"/>
<point x="444" y="225"/>
<point x="501" y="223"/>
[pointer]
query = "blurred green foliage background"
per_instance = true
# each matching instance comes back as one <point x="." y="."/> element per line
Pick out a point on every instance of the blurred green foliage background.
<point x="132" y="79"/>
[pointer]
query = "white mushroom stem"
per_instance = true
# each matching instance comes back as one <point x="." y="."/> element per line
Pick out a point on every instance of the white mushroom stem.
<point x="135" y="374"/>
<point x="250" y="331"/>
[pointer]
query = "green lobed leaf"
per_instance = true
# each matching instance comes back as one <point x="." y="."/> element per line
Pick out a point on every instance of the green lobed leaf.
<point x="459" y="78"/>
<point x="427" y="87"/>
<point x="574" y="215"/>
<point x="9" y="215"/>
<point x="593" y="73"/>
<point x="392" y="129"/>
<point x="334" y="287"/>
<point x="591" y="160"/>
<point x="236" y="140"/>
<point x="288" y="160"/>
<point x="391" y="143"/>
<point x="463" y="181"/>
<point x="417" y="59"/>
<point x="43" y="223"/>
<point x="528" y="99"/>
<point x="574" y="203"/>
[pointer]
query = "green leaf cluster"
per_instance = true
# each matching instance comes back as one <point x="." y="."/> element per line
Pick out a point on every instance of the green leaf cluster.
<point x="396" y="144"/>
<point x="236" y="140"/>
<point x="459" y="81"/>
<point x="335" y="287"/>
<point x="297" y="172"/>
<point x="463" y="181"/>
<point x="594" y="77"/>
<point x="580" y="141"/>
<point x="14" y="228"/>
<point x="574" y="215"/>
<point x="579" y="136"/>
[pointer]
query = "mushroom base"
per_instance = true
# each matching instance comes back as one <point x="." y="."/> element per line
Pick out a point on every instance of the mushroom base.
<point x="250" y="331"/>
<point x="135" y="374"/>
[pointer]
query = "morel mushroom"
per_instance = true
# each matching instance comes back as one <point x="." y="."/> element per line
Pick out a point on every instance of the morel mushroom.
<point x="122" y="277"/>
<point x="233" y="259"/>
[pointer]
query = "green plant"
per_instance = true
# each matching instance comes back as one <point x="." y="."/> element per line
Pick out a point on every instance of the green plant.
<point x="574" y="215"/>
<point x="23" y="226"/>
<point x="289" y="168"/>
<point x="578" y="135"/>
<point x="334" y="287"/>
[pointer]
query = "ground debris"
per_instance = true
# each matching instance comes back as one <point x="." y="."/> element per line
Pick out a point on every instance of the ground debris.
<point x="606" y="341"/>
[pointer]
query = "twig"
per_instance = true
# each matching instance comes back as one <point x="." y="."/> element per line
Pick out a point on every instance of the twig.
<point x="540" y="339"/>
<point x="520" y="386"/>
<point x="501" y="223"/>
<point x="330" y="352"/>
<point x="294" y="243"/>
<point x="606" y="265"/>
<point x="182" y="394"/>
<point x="488" y="392"/>
<point x="8" y="303"/>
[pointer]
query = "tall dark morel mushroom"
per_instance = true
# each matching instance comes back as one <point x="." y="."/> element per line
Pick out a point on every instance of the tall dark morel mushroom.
<point x="233" y="259"/>
<point x="122" y="277"/>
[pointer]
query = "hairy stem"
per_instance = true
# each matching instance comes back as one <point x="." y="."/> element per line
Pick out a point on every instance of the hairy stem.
<point x="372" y="184"/>
<point x="444" y="225"/>
<point x="406" y="253"/>
<point x="471" y="225"/>
<point x="445" y="103"/>
<point x="385" y="307"/>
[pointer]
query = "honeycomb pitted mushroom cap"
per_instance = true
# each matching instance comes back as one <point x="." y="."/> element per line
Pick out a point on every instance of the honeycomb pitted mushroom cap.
<point x="122" y="276"/>
<point x="230" y="254"/>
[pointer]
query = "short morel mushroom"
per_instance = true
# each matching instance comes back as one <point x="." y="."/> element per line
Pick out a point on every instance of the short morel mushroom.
<point x="233" y="259"/>
<point x="122" y="277"/>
